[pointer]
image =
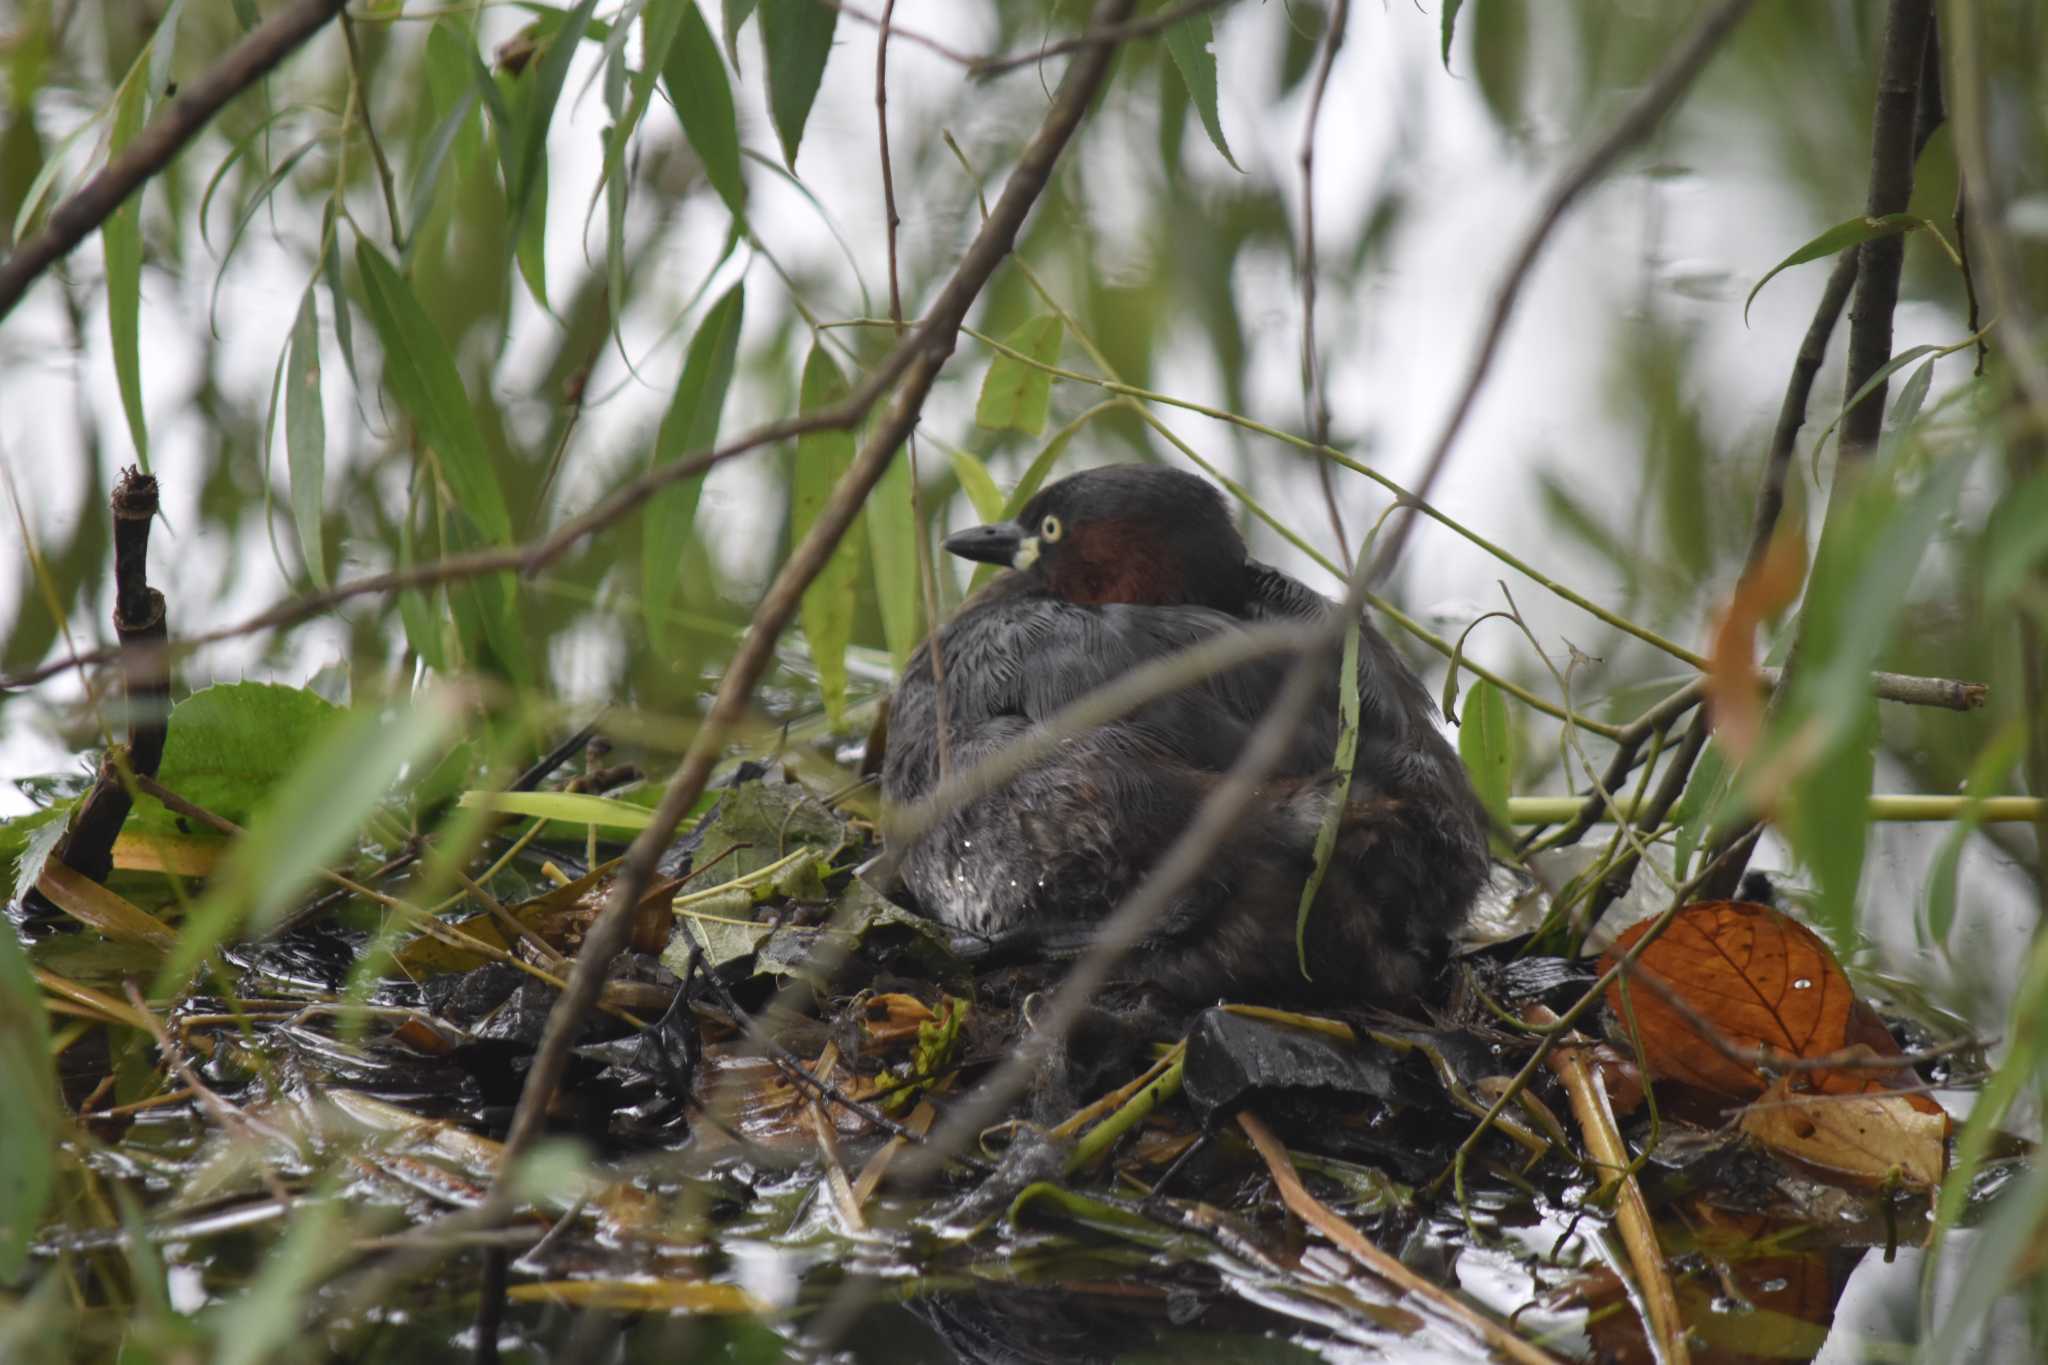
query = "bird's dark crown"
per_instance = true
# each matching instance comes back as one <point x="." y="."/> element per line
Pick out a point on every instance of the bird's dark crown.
<point x="1122" y="533"/>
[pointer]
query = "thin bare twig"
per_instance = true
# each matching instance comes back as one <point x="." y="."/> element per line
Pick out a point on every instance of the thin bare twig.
<point x="165" y="136"/>
<point x="384" y="180"/>
<point x="996" y="63"/>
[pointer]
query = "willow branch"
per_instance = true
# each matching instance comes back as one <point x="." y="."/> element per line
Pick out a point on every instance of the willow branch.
<point x="165" y="136"/>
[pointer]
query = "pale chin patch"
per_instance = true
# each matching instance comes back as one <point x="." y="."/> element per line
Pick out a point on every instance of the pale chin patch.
<point x="1027" y="553"/>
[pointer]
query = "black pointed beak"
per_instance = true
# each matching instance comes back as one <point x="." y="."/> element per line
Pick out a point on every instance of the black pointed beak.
<point x="994" y="544"/>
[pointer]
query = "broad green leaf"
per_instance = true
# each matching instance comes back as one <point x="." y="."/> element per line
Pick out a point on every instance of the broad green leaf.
<point x="979" y="486"/>
<point x="733" y="15"/>
<point x="308" y="822"/>
<point x="1191" y="43"/>
<point x="305" y="436"/>
<point x="228" y="746"/>
<point x="579" y="808"/>
<point x="892" y="545"/>
<point x="421" y="374"/>
<point x="1450" y="24"/>
<point x="121" y="238"/>
<point x="822" y="457"/>
<point x="1017" y="395"/>
<point x="690" y="426"/>
<point x="796" y="36"/>
<point x="34" y="1125"/>
<point x="1840" y="237"/>
<point x="1484" y="745"/>
<point x="696" y="81"/>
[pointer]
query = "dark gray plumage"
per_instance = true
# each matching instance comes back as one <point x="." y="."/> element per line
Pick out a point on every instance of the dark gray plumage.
<point x="1122" y="565"/>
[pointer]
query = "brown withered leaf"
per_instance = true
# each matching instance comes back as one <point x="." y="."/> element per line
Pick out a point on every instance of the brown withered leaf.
<point x="1869" y="1139"/>
<point x="1759" y="980"/>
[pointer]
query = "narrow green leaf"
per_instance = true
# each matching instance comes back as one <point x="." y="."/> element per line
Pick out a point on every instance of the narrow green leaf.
<point x="892" y="546"/>
<point x="822" y="457"/>
<point x="257" y="200"/>
<point x="34" y="1127"/>
<point x="734" y="14"/>
<point x="421" y="374"/>
<point x="1451" y="8"/>
<point x="1877" y="532"/>
<point x="1484" y="745"/>
<point x="1016" y="396"/>
<point x="537" y="112"/>
<point x="697" y="84"/>
<point x="337" y="302"/>
<point x="979" y="486"/>
<point x="1346" y="761"/>
<point x="305" y="436"/>
<point x="1705" y="790"/>
<point x="1841" y="236"/>
<point x="426" y="184"/>
<point x="121" y="237"/>
<point x="2015" y="539"/>
<point x="425" y="632"/>
<point x="796" y="36"/>
<point x="689" y="426"/>
<point x="578" y="808"/>
<point x="1191" y="43"/>
<point x="307" y="823"/>
<point x="1987" y="773"/>
<point x="530" y="250"/>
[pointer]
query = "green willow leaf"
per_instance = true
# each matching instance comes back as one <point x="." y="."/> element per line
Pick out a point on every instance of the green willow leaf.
<point x="690" y="426"/>
<point x="892" y="547"/>
<point x="538" y="112"/>
<point x="1016" y="396"/>
<point x="1450" y="24"/>
<point x="1346" y="763"/>
<point x="1987" y="775"/>
<point x="34" y="1126"/>
<point x="979" y="485"/>
<point x="1191" y="42"/>
<point x="305" y="436"/>
<point x="796" y="36"/>
<point x="1484" y="745"/>
<point x="306" y="824"/>
<point x="697" y="84"/>
<point x="1840" y="237"/>
<point x="733" y="15"/>
<point x="822" y="457"/>
<point x="121" y="237"/>
<point x="421" y="374"/>
<point x="578" y="808"/>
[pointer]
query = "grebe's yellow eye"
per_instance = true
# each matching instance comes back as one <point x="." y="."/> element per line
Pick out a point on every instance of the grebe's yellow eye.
<point x="1049" y="529"/>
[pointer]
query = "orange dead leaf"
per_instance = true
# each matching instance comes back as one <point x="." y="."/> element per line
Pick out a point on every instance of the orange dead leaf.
<point x="1735" y="700"/>
<point x="1738" y="977"/>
